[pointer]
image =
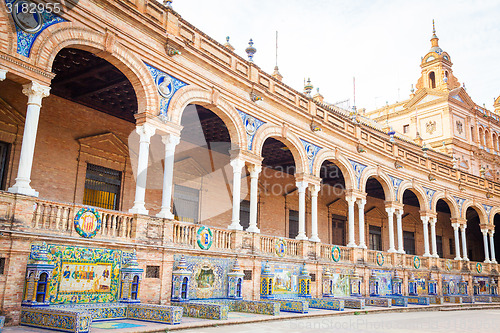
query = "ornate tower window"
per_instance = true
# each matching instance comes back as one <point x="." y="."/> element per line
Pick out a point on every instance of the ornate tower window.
<point x="432" y="80"/>
<point x="41" y="288"/>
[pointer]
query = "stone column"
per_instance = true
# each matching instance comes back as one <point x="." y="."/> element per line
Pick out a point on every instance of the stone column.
<point x="254" y="190"/>
<point x="35" y="93"/>
<point x="399" y="226"/>
<point x="237" y="165"/>
<point x="361" y="222"/>
<point x="145" y="132"/>
<point x="492" y="246"/>
<point x="464" y="242"/>
<point x="457" y="241"/>
<point x="390" y="222"/>
<point x="350" y="202"/>
<point x="170" y="141"/>
<point x="425" y="223"/>
<point x="302" y="185"/>
<point x="433" y="222"/>
<point x="485" y="245"/>
<point x="314" y="188"/>
<point x="3" y="74"/>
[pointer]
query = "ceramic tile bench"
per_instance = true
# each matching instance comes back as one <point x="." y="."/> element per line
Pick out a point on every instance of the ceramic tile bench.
<point x="204" y="309"/>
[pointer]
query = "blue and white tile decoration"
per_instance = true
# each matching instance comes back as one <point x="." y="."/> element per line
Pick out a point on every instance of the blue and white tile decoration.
<point x="429" y="194"/>
<point x="311" y="152"/>
<point x="358" y="170"/>
<point x="166" y="86"/>
<point x="395" y="184"/>
<point x="25" y="39"/>
<point x="460" y="203"/>
<point x="251" y="125"/>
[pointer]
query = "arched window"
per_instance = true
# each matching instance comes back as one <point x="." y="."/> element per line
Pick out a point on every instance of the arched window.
<point x="432" y="80"/>
<point x="487" y="139"/>
<point x="481" y="136"/>
<point x="41" y="289"/>
<point x="184" y="288"/>
<point x="238" y="288"/>
<point x="308" y="287"/>
<point x="270" y="291"/>
<point x="135" y="287"/>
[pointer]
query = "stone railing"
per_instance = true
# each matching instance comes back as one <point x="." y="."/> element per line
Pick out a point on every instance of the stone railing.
<point x="36" y="216"/>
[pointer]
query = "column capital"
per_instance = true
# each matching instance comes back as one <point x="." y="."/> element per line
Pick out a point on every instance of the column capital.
<point x="145" y="131"/>
<point x="3" y="74"/>
<point x="484" y="231"/>
<point x="35" y="92"/>
<point x="491" y="232"/>
<point x="463" y="227"/>
<point x="301" y="185"/>
<point x="433" y="220"/>
<point x="425" y="219"/>
<point x="458" y="221"/>
<point x="308" y="178"/>
<point x="399" y="212"/>
<point x="355" y="193"/>
<point x="246" y="155"/>
<point x="427" y="213"/>
<point x="237" y="164"/>
<point x="314" y="188"/>
<point x="361" y="201"/>
<point x="254" y="169"/>
<point x="393" y="204"/>
<point x="170" y="140"/>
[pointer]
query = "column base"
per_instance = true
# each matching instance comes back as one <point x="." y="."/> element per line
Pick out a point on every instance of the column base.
<point x="253" y="229"/>
<point x="235" y="226"/>
<point x="138" y="209"/>
<point x="457" y="258"/>
<point x="426" y="255"/>
<point x="23" y="190"/>
<point x="465" y="259"/>
<point x="352" y="245"/>
<point x="487" y="261"/>
<point x="494" y="262"/>
<point x="402" y="251"/>
<point x="435" y="255"/>
<point x="314" y="239"/>
<point x="392" y="251"/>
<point x="166" y="214"/>
<point x="362" y="246"/>
<point x="301" y="237"/>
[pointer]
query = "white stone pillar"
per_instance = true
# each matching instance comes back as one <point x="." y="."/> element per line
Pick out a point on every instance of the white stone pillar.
<point x="3" y="74"/>
<point x="35" y="93"/>
<point x="457" y="241"/>
<point x="433" y="222"/>
<point x="390" y="222"/>
<point x="492" y="247"/>
<point x="170" y="141"/>
<point x="425" y="224"/>
<point x="254" y="190"/>
<point x="145" y="132"/>
<point x="361" y="222"/>
<point x="485" y="245"/>
<point x="399" y="227"/>
<point x="350" y="217"/>
<point x="302" y="185"/>
<point x="314" y="188"/>
<point x="237" y="165"/>
<point x="464" y="242"/>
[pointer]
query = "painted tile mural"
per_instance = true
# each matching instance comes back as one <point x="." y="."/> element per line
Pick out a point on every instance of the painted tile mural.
<point x="421" y="278"/>
<point x="484" y="284"/>
<point x="84" y="275"/>
<point x="340" y="279"/>
<point x="285" y="277"/>
<point x="385" y="286"/>
<point x="209" y="278"/>
<point x="454" y="280"/>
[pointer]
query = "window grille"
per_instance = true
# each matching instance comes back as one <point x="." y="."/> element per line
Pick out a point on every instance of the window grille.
<point x="186" y="203"/>
<point x="102" y="187"/>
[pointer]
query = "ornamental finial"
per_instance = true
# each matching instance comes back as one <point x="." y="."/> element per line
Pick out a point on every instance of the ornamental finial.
<point x="250" y="50"/>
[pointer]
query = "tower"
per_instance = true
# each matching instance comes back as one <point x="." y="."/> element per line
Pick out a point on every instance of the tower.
<point x="436" y="68"/>
<point x="235" y="281"/>
<point x="266" y="282"/>
<point x="304" y="282"/>
<point x="180" y="281"/>
<point x="131" y="276"/>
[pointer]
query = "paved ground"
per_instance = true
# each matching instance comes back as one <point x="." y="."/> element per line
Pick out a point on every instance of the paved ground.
<point x="482" y="321"/>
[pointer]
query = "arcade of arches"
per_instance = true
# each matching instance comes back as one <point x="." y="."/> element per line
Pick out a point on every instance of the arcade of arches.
<point x="159" y="150"/>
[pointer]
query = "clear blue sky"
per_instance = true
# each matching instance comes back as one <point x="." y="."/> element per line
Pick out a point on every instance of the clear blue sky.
<point x="380" y="42"/>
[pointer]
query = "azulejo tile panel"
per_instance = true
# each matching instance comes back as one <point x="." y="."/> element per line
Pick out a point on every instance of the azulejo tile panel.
<point x="354" y="303"/>
<point x="155" y="313"/>
<point x="326" y="303"/>
<point x="379" y="301"/>
<point x="290" y="305"/>
<point x="64" y="320"/>
<point x="419" y="300"/>
<point x="258" y="307"/>
<point x="204" y="310"/>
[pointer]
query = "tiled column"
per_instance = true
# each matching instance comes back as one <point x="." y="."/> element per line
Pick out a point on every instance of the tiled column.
<point x="492" y="247"/>
<point x="170" y="141"/>
<point x="464" y="242"/>
<point x="399" y="227"/>
<point x="361" y="222"/>
<point x="457" y="240"/>
<point x="237" y="165"/>
<point x="425" y="224"/>
<point x="485" y="245"/>
<point x="302" y="186"/>
<point x="145" y="132"/>
<point x="433" y="222"/>
<point x="254" y="190"/>
<point x="390" y="222"/>
<point x="314" y="189"/>
<point x="350" y="204"/>
<point x="35" y="93"/>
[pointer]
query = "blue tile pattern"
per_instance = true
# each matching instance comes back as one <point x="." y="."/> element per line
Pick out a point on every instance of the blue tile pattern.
<point x="251" y="125"/>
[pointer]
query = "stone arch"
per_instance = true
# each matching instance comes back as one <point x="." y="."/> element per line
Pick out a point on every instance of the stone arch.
<point x="417" y="190"/>
<point x="7" y="30"/>
<point x="452" y="204"/>
<point x="483" y="216"/>
<point x="495" y="210"/>
<point x="107" y="46"/>
<point x="289" y="139"/>
<point x="339" y="160"/>
<point x="382" y="177"/>
<point x="211" y="100"/>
